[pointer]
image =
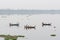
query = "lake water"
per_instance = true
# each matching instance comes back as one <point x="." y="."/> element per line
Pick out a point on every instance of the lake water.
<point x="40" y="33"/>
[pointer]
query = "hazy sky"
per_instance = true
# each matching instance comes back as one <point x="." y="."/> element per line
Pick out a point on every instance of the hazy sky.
<point x="30" y="4"/>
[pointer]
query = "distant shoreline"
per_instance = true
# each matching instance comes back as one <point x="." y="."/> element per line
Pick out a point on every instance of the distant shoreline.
<point x="8" y="12"/>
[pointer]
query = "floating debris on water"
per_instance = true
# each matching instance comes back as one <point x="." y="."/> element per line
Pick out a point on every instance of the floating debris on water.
<point x="17" y="24"/>
<point x="53" y="35"/>
<point x="46" y="24"/>
<point x="29" y="27"/>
